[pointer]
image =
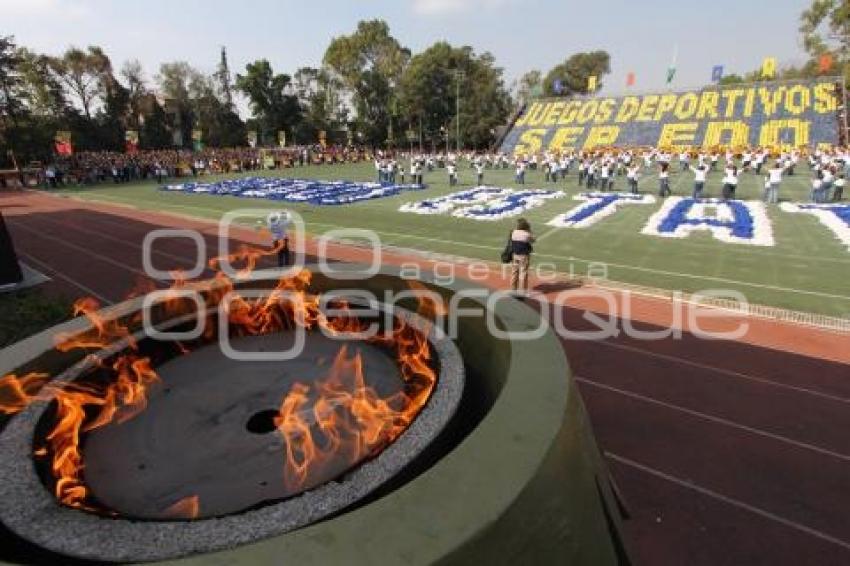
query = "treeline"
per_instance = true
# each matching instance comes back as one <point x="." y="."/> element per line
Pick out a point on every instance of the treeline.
<point x="370" y="90"/>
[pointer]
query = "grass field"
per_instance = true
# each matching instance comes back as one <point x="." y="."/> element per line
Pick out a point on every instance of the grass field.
<point x="26" y="312"/>
<point x="808" y="269"/>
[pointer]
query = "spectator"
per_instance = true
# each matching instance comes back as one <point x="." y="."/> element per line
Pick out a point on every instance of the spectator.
<point x="521" y="240"/>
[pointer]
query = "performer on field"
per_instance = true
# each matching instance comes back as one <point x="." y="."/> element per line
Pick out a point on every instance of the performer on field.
<point x="700" y="176"/>
<point x="838" y="188"/>
<point x="663" y="179"/>
<point x="632" y="174"/>
<point x="479" y="172"/>
<point x="451" y="168"/>
<point x="730" y="182"/>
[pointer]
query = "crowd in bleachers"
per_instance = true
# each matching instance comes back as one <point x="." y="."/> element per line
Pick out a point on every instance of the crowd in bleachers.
<point x="91" y="167"/>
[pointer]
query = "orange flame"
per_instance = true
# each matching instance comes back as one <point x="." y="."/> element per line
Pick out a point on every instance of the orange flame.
<point x="339" y="415"/>
<point x="351" y="418"/>
<point x="248" y="255"/>
<point x="104" y="331"/>
<point x="16" y="393"/>
<point x="186" y="508"/>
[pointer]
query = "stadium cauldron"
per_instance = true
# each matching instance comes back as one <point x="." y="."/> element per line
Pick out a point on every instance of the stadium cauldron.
<point x="513" y="477"/>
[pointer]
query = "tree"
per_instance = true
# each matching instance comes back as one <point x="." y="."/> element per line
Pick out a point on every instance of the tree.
<point x="11" y="81"/>
<point x="137" y="94"/>
<point x="369" y="63"/>
<point x="146" y="114"/>
<point x="32" y="107"/>
<point x="529" y="84"/>
<point x="11" y="109"/>
<point x="82" y="73"/>
<point x="173" y="80"/>
<point x="222" y="77"/>
<point x="429" y="89"/>
<point x="272" y="98"/>
<point x="134" y="78"/>
<point x="574" y="72"/>
<point x="41" y="91"/>
<point x="194" y="100"/>
<point x="154" y="129"/>
<point x="219" y="124"/>
<point x="319" y="94"/>
<point x="732" y="79"/>
<point x="825" y="27"/>
<point x="825" y="31"/>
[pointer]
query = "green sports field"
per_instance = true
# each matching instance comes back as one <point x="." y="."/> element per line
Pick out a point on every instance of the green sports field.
<point x="808" y="269"/>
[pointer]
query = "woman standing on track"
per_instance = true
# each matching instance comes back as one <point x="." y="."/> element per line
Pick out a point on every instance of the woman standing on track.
<point x="521" y="240"/>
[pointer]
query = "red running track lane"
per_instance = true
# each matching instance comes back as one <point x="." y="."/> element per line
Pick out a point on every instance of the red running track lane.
<point x="725" y="452"/>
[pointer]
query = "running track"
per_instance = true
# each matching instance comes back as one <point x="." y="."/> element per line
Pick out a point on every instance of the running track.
<point x="724" y="452"/>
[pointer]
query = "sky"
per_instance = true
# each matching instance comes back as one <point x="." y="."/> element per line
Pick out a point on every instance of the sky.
<point x="641" y="35"/>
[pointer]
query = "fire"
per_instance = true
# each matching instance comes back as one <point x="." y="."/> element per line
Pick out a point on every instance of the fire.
<point x="186" y="508"/>
<point x="16" y="393"/>
<point x="340" y="414"/>
<point x="249" y="255"/>
<point x="104" y="331"/>
<point x="351" y="418"/>
<point x="122" y="399"/>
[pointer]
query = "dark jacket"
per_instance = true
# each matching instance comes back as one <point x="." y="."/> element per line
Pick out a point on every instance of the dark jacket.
<point x="521" y="248"/>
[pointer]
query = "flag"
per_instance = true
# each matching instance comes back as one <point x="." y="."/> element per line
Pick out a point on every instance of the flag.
<point x="281" y="138"/>
<point x="768" y="67"/>
<point x="825" y="63"/>
<point x="671" y="70"/>
<point x="716" y="73"/>
<point x="591" y="83"/>
<point x="252" y="138"/>
<point x="62" y="143"/>
<point x="630" y="79"/>
<point x="131" y="141"/>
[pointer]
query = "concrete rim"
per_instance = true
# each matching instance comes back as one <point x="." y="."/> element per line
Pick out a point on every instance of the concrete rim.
<point x="32" y="512"/>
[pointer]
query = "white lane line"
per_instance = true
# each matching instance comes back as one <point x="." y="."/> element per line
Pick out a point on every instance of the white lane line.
<point x="553" y="256"/>
<point x="548" y="233"/>
<point x="106" y="199"/>
<point x="727" y="249"/>
<point x="728" y="500"/>
<point x="182" y="259"/>
<point x="718" y="420"/>
<point x="723" y="371"/>
<point x="62" y="276"/>
<point x="82" y="250"/>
